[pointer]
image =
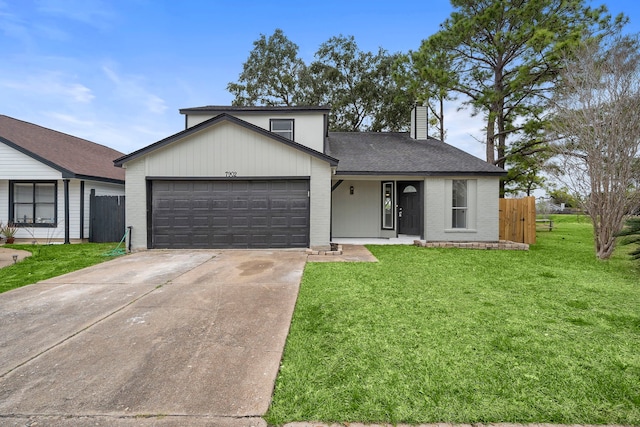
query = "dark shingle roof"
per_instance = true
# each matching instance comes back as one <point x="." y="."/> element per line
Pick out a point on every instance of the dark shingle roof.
<point x="391" y="153"/>
<point x="74" y="157"/>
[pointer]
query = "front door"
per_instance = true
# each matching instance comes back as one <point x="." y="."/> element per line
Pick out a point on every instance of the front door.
<point x="409" y="208"/>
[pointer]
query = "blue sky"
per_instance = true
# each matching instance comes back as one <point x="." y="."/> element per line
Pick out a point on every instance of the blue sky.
<point x="116" y="72"/>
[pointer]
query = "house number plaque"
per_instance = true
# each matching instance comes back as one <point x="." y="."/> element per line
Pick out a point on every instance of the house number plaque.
<point x="231" y="174"/>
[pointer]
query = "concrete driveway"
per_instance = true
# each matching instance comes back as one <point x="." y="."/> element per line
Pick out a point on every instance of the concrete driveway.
<point x="162" y="338"/>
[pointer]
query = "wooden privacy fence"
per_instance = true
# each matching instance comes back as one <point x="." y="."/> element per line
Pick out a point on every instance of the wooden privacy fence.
<point x="518" y="220"/>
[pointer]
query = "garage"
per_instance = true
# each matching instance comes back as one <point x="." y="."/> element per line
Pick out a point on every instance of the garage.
<point x="228" y="214"/>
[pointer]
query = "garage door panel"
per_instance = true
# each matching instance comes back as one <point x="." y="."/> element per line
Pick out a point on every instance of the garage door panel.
<point x="180" y="186"/>
<point x="218" y="204"/>
<point x="230" y="214"/>
<point x="239" y="186"/>
<point x="261" y="203"/>
<point x="279" y="203"/>
<point x="219" y="186"/>
<point x="239" y="222"/>
<point x="259" y="222"/>
<point x="220" y="222"/>
<point x="240" y="204"/>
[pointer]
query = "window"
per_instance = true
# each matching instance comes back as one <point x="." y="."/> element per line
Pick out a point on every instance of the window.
<point x="387" y="205"/>
<point x="409" y="189"/>
<point x="282" y="127"/>
<point x="459" y="204"/>
<point x="33" y="204"/>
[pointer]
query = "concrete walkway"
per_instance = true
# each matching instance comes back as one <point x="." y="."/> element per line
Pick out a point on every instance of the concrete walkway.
<point x="6" y="256"/>
<point x="162" y="338"/>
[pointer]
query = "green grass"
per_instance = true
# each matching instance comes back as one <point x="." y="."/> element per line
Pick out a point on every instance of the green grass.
<point x="49" y="261"/>
<point x="551" y="335"/>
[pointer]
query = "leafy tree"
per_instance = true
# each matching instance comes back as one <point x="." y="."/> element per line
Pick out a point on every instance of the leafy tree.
<point x="272" y="75"/>
<point x="596" y="123"/>
<point x="563" y="195"/>
<point x="425" y="77"/>
<point x="505" y="58"/>
<point x="358" y="85"/>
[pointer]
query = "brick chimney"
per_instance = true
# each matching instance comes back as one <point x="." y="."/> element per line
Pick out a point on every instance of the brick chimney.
<point x="419" y="122"/>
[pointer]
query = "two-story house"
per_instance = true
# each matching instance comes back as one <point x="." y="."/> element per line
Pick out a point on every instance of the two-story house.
<point x="274" y="177"/>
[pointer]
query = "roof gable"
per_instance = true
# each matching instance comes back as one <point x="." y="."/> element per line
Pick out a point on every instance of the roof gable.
<point x="74" y="157"/>
<point x="212" y="122"/>
<point x="394" y="153"/>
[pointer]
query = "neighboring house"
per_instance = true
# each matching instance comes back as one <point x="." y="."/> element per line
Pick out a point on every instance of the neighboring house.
<point x="46" y="178"/>
<point x="271" y="177"/>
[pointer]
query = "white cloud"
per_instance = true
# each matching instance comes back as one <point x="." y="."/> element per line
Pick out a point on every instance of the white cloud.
<point x="122" y="134"/>
<point x="131" y="90"/>
<point x="70" y="120"/>
<point x="51" y="84"/>
<point x="96" y="13"/>
<point x="12" y="26"/>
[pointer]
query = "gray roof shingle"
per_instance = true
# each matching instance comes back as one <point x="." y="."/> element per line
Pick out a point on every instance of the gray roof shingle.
<point x="395" y="153"/>
<point x="74" y="157"/>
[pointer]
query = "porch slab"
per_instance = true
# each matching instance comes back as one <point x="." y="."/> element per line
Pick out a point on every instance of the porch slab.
<point x="349" y="253"/>
<point x="402" y="239"/>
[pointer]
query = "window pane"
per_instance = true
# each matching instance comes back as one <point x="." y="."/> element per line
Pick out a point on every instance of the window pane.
<point x="282" y="127"/>
<point x="45" y="193"/>
<point x="387" y="205"/>
<point x="23" y="213"/>
<point x="23" y="193"/>
<point x="459" y="218"/>
<point x="409" y="189"/>
<point x="287" y="135"/>
<point x="277" y="125"/>
<point x="459" y="193"/>
<point x="45" y="213"/>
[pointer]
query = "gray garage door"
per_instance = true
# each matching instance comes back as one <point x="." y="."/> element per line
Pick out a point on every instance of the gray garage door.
<point x="230" y="214"/>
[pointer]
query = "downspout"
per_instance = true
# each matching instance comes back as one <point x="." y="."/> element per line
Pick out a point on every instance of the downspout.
<point x="81" y="210"/>
<point x="66" y="212"/>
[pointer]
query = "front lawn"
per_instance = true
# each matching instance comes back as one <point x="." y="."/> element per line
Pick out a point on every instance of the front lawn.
<point x="551" y="335"/>
<point x="49" y="261"/>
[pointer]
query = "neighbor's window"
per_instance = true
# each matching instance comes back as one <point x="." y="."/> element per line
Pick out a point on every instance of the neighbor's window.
<point x="283" y="127"/>
<point x="459" y="206"/>
<point x="33" y="203"/>
<point x="387" y="205"/>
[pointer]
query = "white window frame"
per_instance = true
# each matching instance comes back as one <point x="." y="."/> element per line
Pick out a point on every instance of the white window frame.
<point x="470" y="208"/>
<point x="285" y="133"/>
<point x="460" y="204"/>
<point x="388" y="205"/>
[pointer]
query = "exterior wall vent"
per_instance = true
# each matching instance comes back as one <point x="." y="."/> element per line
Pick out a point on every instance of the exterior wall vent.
<point x="419" y="122"/>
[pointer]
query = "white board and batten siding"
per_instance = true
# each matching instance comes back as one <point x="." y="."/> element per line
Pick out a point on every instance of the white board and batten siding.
<point x="224" y="148"/>
<point x="228" y="151"/>
<point x="308" y="128"/>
